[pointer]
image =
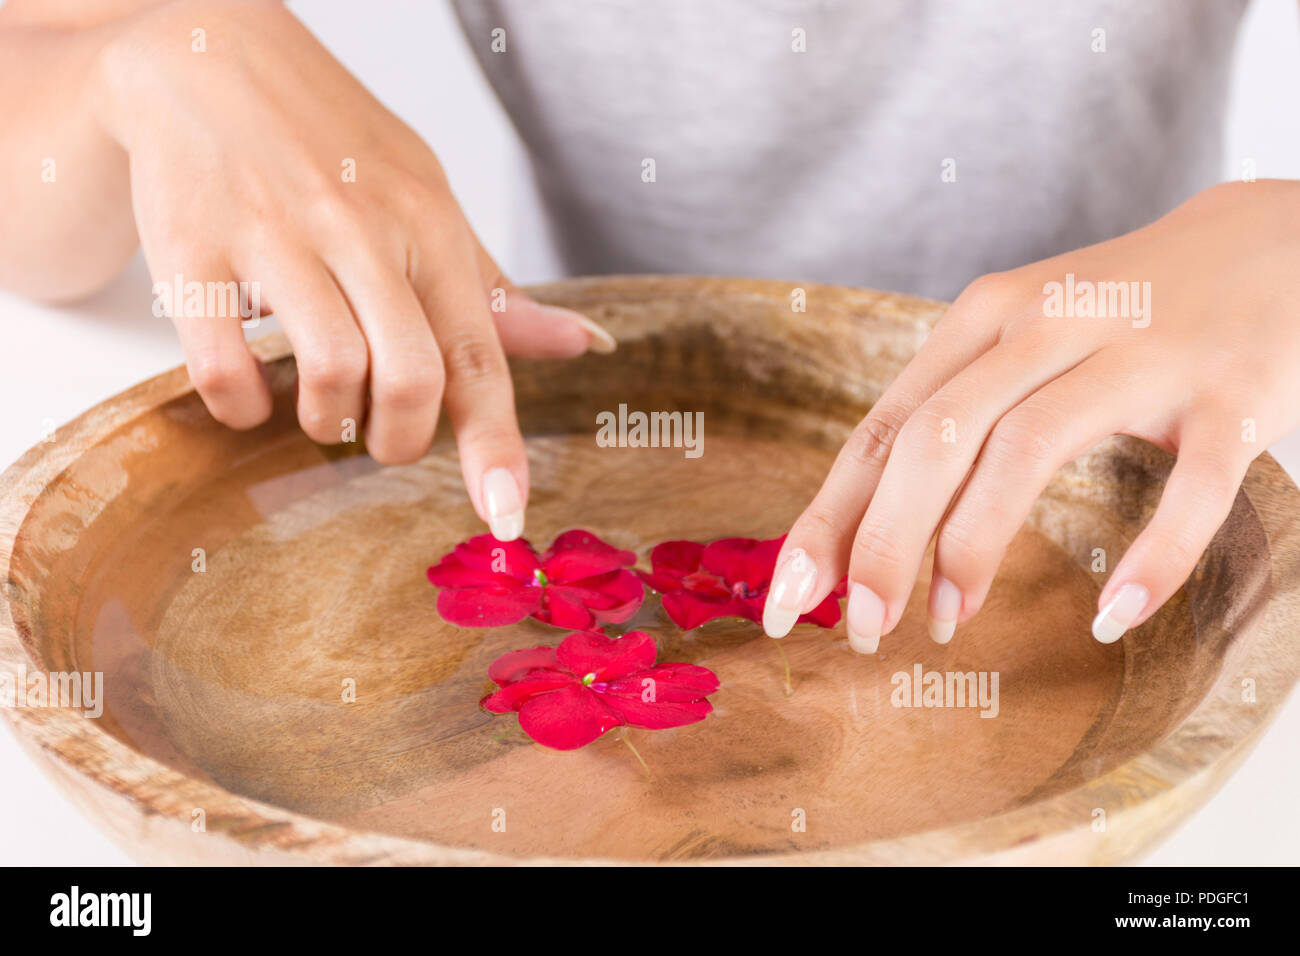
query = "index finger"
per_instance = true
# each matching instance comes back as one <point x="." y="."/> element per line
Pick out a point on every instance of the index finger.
<point x="815" y="554"/>
<point x="479" y="395"/>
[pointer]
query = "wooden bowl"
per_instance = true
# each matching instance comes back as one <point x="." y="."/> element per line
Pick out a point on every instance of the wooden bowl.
<point x="232" y="587"/>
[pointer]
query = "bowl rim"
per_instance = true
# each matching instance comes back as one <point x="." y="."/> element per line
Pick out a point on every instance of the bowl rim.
<point x="1156" y="788"/>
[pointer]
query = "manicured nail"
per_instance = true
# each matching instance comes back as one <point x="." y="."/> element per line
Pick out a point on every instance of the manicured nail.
<point x="945" y="606"/>
<point x="601" y="342"/>
<point x="865" y="618"/>
<point x="1118" y="616"/>
<point x="792" y="585"/>
<point x="504" y="504"/>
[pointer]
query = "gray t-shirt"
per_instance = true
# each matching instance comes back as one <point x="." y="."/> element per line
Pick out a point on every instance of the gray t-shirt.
<point x="912" y="145"/>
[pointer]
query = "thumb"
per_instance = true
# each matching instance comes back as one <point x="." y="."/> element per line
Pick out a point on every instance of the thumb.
<point x="529" y="329"/>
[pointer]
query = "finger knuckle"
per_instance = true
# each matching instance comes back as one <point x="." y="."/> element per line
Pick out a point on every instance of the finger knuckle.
<point x="321" y="426"/>
<point x="342" y="212"/>
<point x="438" y="225"/>
<point x="473" y="360"/>
<point x="216" y="374"/>
<point x="1027" y="438"/>
<point x="877" y="548"/>
<point x="1215" y="483"/>
<point x="240" y="416"/>
<point x="963" y="550"/>
<point x="396" y="452"/>
<point x="494" y="279"/>
<point x="817" y="524"/>
<point x="988" y="293"/>
<point x="334" y="366"/>
<point x="494" y="435"/>
<point x="431" y="200"/>
<point x="872" y="440"/>
<point x="936" y="428"/>
<point x="406" y="386"/>
<point x="422" y="203"/>
<point x="1178" y="550"/>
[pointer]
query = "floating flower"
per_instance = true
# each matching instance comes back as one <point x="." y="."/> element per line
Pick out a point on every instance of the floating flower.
<point x="579" y="583"/>
<point x="727" y="578"/>
<point x="567" y="696"/>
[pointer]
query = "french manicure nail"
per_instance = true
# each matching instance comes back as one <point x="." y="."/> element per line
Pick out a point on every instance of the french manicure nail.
<point x="601" y="342"/>
<point x="945" y="606"/>
<point x="792" y="585"/>
<point x="1118" y="615"/>
<point x="865" y="618"/>
<point x="504" y="504"/>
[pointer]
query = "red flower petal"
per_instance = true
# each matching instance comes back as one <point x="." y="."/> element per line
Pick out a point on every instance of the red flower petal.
<point x="492" y="583"/>
<point x="673" y="683"/>
<point x="670" y="695"/>
<point x="565" y="607"/>
<point x="487" y="607"/>
<point x="742" y="559"/>
<point x="634" y="711"/>
<point x="579" y="554"/>
<point x="590" y="652"/>
<point x="516" y="559"/>
<point x="558" y="709"/>
<point x="661" y="581"/>
<point x="678" y="556"/>
<point x="450" y="573"/>
<point x="690" y="609"/>
<point x="513" y="665"/>
<point x="826" y="614"/>
<point x="702" y="582"/>
<point x="567" y="719"/>
<point x="606" y="599"/>
<point x="620" y="594"/>
<point x="514" y="696"/>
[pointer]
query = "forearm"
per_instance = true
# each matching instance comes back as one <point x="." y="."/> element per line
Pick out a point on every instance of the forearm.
<point x="67" y="225"/>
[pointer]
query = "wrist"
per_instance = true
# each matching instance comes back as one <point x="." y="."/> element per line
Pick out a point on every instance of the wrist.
<point x="143" y="55"/>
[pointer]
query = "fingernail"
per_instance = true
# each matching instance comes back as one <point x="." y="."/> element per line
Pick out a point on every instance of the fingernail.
<point x="865" y="618"/>
<point x="945" y="606"/>
<point x="504" y="504"/>
<point x="1118" y="616"/>
<point x="792" y="585"/>
<point x="601" y="342"/>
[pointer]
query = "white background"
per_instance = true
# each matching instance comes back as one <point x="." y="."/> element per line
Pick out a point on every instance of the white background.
<point x="58" y="362"/>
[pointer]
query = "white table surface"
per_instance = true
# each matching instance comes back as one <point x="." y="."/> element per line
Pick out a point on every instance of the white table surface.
<point x="113" y="341"/>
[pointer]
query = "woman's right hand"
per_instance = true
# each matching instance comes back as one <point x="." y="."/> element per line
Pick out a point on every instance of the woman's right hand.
<point x="256" y="157"/>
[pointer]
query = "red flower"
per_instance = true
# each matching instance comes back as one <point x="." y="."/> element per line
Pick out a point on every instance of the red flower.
<point x="727" y="578"/>
<point x="567" y="696"/>
<point x="578" y="583"/>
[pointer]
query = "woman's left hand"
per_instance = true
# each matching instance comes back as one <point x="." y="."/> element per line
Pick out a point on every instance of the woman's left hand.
<point x="1190" y="341"/>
